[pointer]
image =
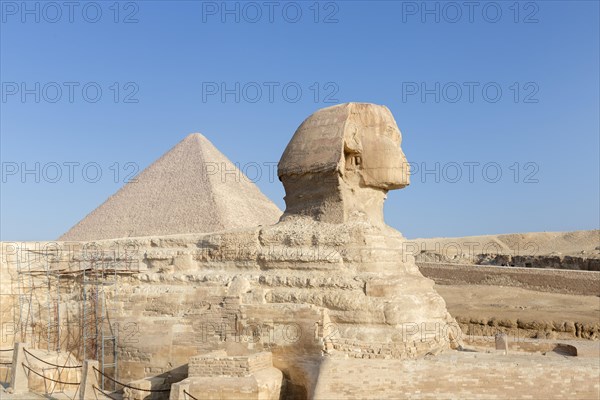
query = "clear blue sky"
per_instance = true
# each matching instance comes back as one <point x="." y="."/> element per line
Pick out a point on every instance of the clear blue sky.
<point x="171" y="56"/>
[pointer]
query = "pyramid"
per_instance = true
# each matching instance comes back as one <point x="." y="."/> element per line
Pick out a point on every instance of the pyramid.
<point x="193" y="188"/>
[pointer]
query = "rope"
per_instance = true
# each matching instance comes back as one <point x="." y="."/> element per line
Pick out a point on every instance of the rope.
<point x="5" y="363"/>
<point x="130" y="387"/>
<point x="185" y="392"/>
<point x="50" y="379"/>
<point x="7" y="349"/>
<point x="103" y="392"/>
<point x="54" y="365"/>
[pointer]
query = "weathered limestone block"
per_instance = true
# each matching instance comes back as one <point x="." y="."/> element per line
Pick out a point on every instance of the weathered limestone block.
<point x="184" y="262"/>
<point x="218" y="375"/>
<point x="501" y="342"/>
<point x="35" y="382"/>
<point x="89" y="380"/>
<point x="158" y="385"/>
<point x="238" y="286"/>
<point x="19" y="378"/>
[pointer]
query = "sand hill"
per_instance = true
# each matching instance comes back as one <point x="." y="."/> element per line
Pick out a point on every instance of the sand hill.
<point x="575" y="243"/>
<point x="562" y="250"/>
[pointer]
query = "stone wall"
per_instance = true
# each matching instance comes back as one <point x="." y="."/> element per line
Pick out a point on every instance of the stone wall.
<point x="582" y="263"/>
<point x="356" y="349"/>
<point x="516" y="345"/>
<point x="462" y="375"/>
<point x="221" y="364"/>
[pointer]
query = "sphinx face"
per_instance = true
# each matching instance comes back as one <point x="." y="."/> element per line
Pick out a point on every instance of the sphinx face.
<point x="373" y="144"/>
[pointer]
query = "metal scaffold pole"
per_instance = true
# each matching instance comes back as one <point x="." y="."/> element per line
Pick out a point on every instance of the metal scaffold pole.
<point x="58" y="312"/>
<point x="98" y="336"/>
<point x="25" y="294"/>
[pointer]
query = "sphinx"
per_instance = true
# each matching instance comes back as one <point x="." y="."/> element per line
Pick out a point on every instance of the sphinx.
<point x="330" y="279"/>
<point x="336" y="171"/>
<point x="331" y="249"/>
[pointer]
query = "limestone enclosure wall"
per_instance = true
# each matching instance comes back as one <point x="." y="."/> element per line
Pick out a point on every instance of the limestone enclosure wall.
<point x="548" y="280"/>
<point x="460" y="375"/>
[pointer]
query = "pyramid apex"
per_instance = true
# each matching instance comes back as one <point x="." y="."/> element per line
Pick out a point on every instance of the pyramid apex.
<point x="195" y="136"/>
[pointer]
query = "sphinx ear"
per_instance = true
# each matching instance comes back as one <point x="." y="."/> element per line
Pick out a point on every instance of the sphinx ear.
<point x="352" y="150"/>
<point x="352" y="142"/>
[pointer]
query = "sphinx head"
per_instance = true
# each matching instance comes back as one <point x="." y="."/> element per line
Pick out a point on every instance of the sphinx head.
<point x="341" y="162"/>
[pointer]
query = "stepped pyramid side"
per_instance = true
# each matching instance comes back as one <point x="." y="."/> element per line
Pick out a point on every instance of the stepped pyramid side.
<point x="183" y="191"/>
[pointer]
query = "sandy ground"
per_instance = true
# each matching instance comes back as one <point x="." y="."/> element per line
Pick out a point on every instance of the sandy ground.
<point x="533" y="313"/>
